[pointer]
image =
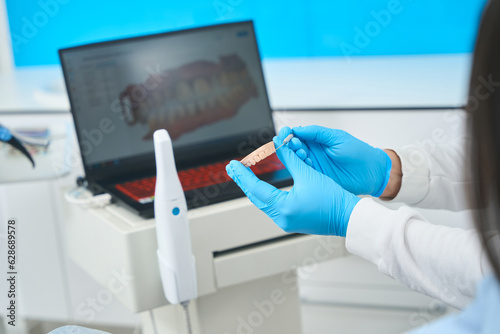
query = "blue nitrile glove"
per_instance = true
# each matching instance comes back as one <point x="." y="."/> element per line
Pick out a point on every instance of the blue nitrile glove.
<point x="352" y="163"/>
<point x="315" y="204"/>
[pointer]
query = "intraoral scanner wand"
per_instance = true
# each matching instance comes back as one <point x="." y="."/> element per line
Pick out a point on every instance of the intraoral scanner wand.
<point x="175" y="256"/>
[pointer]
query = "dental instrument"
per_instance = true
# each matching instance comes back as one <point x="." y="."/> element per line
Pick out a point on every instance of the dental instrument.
<point x="263" y="152"/>
<point x="6" y="136"/>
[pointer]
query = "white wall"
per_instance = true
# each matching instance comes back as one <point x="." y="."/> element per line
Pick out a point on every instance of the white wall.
<point x="6" y="58"/>
<point x="368" y="82"/>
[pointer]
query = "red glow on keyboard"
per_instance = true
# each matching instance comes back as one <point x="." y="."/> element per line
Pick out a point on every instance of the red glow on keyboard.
<point x="143" y="190"/>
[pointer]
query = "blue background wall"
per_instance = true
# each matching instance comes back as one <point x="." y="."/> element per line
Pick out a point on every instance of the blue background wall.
<point x="285" y="28"/>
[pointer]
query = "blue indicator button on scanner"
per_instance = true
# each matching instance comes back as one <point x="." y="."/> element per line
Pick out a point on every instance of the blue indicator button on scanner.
<point x="176" y="211"/>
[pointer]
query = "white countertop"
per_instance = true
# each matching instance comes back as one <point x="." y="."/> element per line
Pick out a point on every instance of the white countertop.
<point x="368" y="82"/>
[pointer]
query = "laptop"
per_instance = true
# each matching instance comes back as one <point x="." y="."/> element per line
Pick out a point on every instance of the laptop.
<point x="204" y="85"/>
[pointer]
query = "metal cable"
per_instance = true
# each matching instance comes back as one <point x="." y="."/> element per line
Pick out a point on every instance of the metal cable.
<point x="185" y="306"/>
<point x="153" y="321"/>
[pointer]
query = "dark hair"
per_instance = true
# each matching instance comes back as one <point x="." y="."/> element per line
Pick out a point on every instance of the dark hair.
<point x="484" y="125"/>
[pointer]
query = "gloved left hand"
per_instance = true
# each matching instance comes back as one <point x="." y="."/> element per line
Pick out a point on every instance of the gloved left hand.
<point x="315" y="204"/>
<point x="352" y="163"/>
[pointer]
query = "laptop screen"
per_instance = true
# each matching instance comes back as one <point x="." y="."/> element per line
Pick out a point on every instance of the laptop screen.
<point x="205" y="86"/>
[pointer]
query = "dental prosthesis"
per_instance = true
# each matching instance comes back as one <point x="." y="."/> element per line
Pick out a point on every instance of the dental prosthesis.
<point x="263" y="152"/>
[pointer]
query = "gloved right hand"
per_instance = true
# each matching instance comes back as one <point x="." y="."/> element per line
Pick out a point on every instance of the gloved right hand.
<point x="315" y="204"/>
<point x="356" y="166"/>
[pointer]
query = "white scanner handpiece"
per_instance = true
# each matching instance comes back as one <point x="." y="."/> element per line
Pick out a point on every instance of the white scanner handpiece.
<point x="175" y="256"/>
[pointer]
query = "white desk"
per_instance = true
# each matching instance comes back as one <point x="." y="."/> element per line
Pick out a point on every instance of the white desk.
<point x="112" y="239"/>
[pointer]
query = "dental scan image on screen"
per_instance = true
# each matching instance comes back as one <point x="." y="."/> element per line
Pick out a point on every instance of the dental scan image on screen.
<point x="200" y="85"/>
<point x="189" y="97"/>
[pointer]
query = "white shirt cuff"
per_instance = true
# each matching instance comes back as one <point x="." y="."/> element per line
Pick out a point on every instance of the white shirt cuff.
<point x="415" y="183"/>
<point x="367" y="229"/>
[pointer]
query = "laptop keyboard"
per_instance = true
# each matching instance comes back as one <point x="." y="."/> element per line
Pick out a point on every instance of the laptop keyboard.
<point x="143" y="190"/>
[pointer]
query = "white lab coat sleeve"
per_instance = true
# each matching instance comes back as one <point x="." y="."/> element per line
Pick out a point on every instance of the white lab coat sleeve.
<point x="436" y="177"/>
<point x="439" y="261"/>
